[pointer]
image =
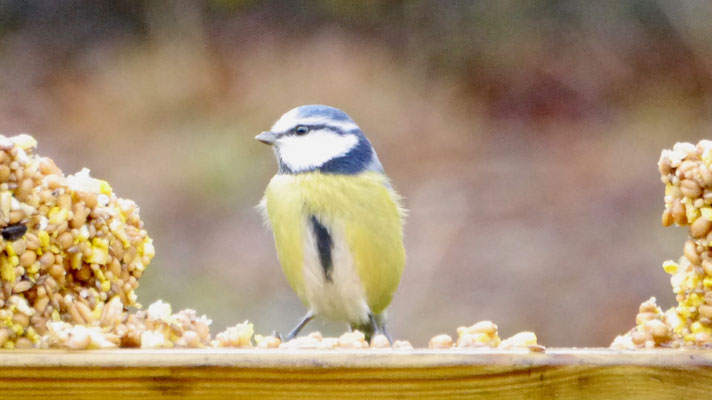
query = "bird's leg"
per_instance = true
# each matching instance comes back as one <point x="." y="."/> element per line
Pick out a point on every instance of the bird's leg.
<point x="373" y="324"/>
<point x="308" y="317"/>
<point x="379" y="326"/>
<point x="386" y="334"/>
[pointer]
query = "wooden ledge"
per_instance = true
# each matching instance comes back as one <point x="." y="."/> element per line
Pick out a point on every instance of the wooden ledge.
<point x="347" y="374"/>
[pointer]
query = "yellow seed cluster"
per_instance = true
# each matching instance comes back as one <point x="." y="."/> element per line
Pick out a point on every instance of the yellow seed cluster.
<point x="71" y="255"/>
<point x="685" y="171"/>
<point x="69" y="246"/>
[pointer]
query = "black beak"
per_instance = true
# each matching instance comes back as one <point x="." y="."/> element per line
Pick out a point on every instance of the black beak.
<point x="267" y="137"/>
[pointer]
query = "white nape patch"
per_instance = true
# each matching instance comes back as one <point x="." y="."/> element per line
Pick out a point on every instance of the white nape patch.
<point x="342" y="298"/>
<point x="300" y="153"/>
<point x="292" y="119"/>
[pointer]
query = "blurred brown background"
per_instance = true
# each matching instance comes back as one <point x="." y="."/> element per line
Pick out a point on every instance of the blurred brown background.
<point x="523" y="135"/>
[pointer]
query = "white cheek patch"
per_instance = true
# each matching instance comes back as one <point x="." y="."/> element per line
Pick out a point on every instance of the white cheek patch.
<point x="291" y="119"/>
<point x="300" y="153"/>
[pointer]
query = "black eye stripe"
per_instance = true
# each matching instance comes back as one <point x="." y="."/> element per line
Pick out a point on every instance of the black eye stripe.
<point x="324" y="126"/>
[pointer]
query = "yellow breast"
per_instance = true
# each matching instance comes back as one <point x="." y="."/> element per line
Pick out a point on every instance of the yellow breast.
<point x="363" y="205"/>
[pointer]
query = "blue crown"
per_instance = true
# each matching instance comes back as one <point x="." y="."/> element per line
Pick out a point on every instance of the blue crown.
<point x="321" y="111"/>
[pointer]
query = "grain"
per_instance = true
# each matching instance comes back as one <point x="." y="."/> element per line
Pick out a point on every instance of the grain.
<point x="442" y="341"/>
<point x="700" y="228"/>
<point x="267" y="342"/>
<point x="47" y="259"/>
<point x="57" y="271"/>
<point x="23" y="189"/>
<point x="667" y="218"/>
<point x="380" y="342"/>
<point x="22" y="286"/>
<point x="402" y="345"/>
<point x="690" y="188"/>
<point x="65" y="240"/>
<point x="352" y="340"/>
<point x="28" y="258"/>
<point x="4" y="171"/>
<point x="690" y="251"/>
<point x="705" y="176"/>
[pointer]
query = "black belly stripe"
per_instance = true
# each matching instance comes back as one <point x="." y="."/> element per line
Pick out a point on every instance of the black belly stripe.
<point x="324" y="245"/>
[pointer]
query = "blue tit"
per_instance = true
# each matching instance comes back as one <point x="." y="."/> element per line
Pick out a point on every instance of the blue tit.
<point x="336" y="220"/>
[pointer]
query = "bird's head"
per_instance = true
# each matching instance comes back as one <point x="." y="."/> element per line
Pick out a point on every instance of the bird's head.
<point x="320" y="138"/>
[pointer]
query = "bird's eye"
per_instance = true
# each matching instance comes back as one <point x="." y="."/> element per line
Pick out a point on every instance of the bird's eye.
<point x="301" y="130"/>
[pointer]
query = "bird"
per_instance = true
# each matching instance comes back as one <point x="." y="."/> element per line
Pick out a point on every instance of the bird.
<point x="336" y="219"/>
